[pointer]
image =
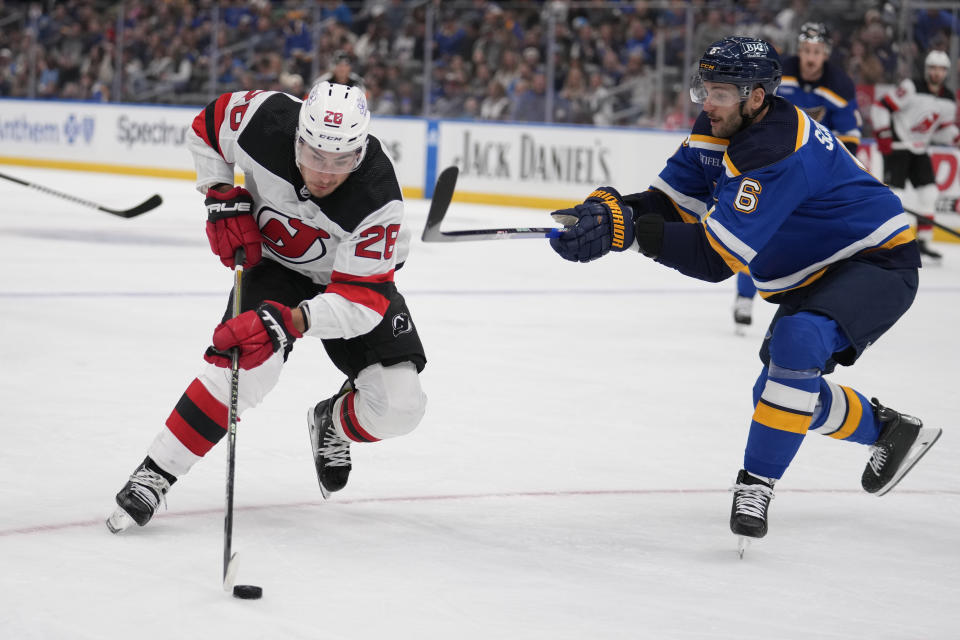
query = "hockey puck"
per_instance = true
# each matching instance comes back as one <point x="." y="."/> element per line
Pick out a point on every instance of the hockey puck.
<point x="247" y="592"/>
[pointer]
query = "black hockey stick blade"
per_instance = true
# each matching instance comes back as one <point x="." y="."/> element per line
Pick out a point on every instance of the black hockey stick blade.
<point x="938" y="225"/>
<point x="149" y="204"/>
<point x="442" y="196"/>
<point x="439" y="203"/>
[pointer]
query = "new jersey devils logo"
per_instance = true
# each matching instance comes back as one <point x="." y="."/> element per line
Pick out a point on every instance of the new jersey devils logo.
<point x="401" y="324"/>
<point x="291" y="239"/>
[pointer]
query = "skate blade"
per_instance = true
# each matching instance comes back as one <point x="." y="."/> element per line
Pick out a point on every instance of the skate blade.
<point x="739" y="330"/>
<point x="119" y="521"/>
<point x="742" y="543"/>
<point x="314" y="445"/>
<point x="925" y="439"/>
<point x="230" y="573"/>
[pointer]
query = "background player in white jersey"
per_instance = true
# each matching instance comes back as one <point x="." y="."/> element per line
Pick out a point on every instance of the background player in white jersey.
<point x="824" y="240"/>
<point x="917" y="114"/>
<point x="829" y="96"/>
<point x="321" y="224"/>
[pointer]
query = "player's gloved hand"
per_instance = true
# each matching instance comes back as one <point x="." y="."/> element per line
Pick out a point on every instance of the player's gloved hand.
<point x="230" y="225"/>
<point x="258" y="334"/>
<point x="884" y="141"/>
<point x="603" y="223"/>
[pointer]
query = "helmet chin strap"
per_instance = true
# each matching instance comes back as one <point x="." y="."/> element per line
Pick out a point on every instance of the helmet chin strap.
<point x="748" y="119"/>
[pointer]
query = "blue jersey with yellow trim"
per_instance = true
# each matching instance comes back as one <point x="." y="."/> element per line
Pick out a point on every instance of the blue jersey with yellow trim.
<point x="691" y="174"/>
<point x="834" y="93"/>
<point x="792" y="200"/>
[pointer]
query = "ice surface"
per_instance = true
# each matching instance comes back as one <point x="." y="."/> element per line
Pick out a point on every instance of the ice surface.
<point x="570" y="478"/>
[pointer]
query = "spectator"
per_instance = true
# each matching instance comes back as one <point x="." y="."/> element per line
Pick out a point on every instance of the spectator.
<point x="531" y="101"/>
<point x="449" y="38"/>
<point x="496" y="104"/>
<point x="711" y="30"/>
<point x="342" y="72"/>
<point x="380" y="101"/>
<point x="642" y="83"/>
<point x="573" y="104"/>
<point x="337" y="10"/>
<point x="600" y="100"/>
<point x="935" y="26"/>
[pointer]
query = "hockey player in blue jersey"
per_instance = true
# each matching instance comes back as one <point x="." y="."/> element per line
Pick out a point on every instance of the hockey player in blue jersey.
<point x="823" y="239"/>
<point x="828" y="95"/>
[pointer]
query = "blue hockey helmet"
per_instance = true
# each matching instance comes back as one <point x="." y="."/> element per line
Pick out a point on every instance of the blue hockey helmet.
<point x="741" y="61"/>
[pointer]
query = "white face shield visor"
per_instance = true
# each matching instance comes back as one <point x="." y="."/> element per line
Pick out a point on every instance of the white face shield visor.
<point x="719" y="95"/>
<point x="326" y="161"/>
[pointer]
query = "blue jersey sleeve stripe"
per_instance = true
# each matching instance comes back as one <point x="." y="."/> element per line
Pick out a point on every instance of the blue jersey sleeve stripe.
<point x="740" y="249"/>
<point x="735" y="253"/>
<point x="693" y="205"/>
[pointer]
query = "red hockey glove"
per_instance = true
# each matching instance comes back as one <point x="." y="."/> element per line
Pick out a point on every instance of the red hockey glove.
<point x="258" y="334"/>
<point x="230" y="225"/>
<point x="884" y="141"/>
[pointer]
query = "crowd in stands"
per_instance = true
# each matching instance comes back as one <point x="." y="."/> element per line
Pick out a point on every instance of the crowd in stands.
<point x="613" y="63"/>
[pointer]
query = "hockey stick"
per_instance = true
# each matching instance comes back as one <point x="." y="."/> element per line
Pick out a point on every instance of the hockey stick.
<point x="230" y="559"/>
<point x="443" y="194"/>
<point x="929" y="220"/>
<point x="150" y="203"/>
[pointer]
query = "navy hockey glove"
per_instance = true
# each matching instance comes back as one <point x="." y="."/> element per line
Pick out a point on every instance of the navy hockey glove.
<point x="230" y="225"/>
<point x="603" y="223"/>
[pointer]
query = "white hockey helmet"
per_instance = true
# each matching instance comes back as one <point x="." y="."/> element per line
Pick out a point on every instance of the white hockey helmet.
<point x="937" y="59"/>
<point x="332" y="129"/>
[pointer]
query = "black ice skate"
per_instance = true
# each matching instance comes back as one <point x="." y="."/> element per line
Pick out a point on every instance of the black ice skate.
<point x="742" y="313"/>
<point x="929" y="256"/>
<point x="140" y="497"/>
<point x="331" y="453"/>
<point x="903" y="441"/>
<point x="748" y="514"/>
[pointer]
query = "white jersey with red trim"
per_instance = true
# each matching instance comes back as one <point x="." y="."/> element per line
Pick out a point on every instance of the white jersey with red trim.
<point x="351" y="240"/>
<point x="917" y="116"/>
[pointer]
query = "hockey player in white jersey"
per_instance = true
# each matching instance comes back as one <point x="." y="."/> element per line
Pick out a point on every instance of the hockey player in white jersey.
<point x="907" y="120"/>
<point x="321" y="221"/>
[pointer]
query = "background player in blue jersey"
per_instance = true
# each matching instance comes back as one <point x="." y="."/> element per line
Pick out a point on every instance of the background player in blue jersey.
<point x="829" y="96"/>
<point x="823" y="239"/>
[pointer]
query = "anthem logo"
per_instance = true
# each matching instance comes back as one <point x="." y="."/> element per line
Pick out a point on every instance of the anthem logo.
<point x="78" y="129"/>
<point x="401" y="324"/>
